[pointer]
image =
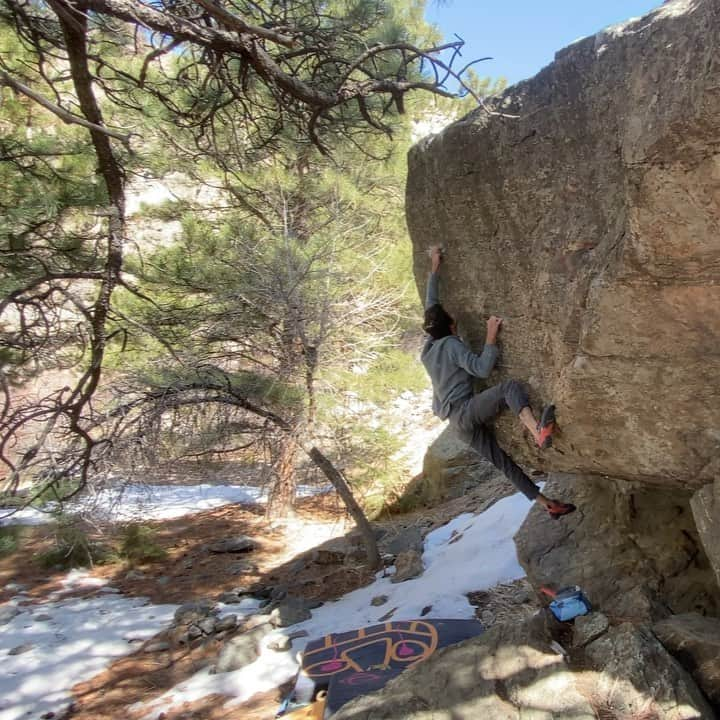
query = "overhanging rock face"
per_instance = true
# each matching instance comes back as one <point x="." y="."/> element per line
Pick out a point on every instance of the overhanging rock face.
<point x="591" y="224"/>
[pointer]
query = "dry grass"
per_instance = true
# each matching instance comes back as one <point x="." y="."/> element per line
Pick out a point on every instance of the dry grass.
<point x="508" y="602"/>
<point x="609" y="704"/>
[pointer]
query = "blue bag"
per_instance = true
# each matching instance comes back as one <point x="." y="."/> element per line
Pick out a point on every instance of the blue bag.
<point x="569" y="603"/>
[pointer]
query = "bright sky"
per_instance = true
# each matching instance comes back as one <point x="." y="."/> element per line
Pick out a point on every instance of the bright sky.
<point x="522" y="36"/>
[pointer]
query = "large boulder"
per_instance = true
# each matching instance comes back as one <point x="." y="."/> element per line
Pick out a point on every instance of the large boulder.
<point x="637" y="677"/>
<point x="695" y="641"/>
<point x="584" y="210"/>
<point x="451" y="469"/>
<point x="634" y="550"/>
<point x="705" y="504"/>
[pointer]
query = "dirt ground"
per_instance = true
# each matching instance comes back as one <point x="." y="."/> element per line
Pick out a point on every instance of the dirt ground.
<point x="190" y="572"/>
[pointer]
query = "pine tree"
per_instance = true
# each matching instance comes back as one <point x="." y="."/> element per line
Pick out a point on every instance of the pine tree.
<point x="252" y="97"/>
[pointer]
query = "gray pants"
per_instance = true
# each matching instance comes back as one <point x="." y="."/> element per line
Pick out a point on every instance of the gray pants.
<point x="470" y="421"/>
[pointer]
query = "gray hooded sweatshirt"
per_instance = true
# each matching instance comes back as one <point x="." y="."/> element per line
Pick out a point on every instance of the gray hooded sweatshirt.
<point x="452" y="366"/>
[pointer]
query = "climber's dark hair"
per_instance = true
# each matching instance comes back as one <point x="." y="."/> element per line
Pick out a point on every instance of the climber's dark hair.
<point x="437" y="322"/>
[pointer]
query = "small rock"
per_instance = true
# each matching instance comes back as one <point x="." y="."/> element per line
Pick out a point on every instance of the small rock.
<point x="48" y="715"/>
<point x="192" y="612"/>
<point x="264" y="592"/>
<point x="281" y="644"/>
<point x="298" y="634"/>
<point x="15" y="587"/>
<point x="242" y="568"/>
<point x="242" y="650"/>
<point x="20" y="649"/>
<point x="379" y="600"/>
<point x="194" y="632"/>
<point x="7" y="613"/>
<point x="229" y="622"/>
<point x="229" y="598"/>
<point x="425" y="610"/>
<point x="163" y="580"/>
<point x="135" y="575"/>
<point x="157" y="647"/>
<point x="407" y="539"/>
<point x="408" y="565"/>
<point x="239" y="544"/>
<point x="43" y="617"/>
<point x="588" y="628"/>
<point x="257" y="620"/>
<point x="522" y="596"/>
<point x="290" y="612"/>
<point x="207" y="625"/>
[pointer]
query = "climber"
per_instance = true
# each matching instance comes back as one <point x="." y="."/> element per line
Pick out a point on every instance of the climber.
<point x="452" y="367"/>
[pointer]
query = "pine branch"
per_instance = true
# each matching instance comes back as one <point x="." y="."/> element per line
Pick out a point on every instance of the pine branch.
<point x="65" y="115"/>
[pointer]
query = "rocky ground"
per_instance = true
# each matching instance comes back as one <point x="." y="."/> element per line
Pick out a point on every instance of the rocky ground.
<point x="192" y="572"/>
<point x="294" y="558"/>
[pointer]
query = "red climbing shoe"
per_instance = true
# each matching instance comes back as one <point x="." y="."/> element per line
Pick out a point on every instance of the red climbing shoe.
<point x="557" y="509"/>
<point x="546" y="427"/>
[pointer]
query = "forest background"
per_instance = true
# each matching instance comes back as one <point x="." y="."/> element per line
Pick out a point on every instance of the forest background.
<point x="284" y="293"/>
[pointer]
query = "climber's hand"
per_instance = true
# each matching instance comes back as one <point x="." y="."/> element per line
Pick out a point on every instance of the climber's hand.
<point x="494" y="324"/>
<point x="436" y="257"/>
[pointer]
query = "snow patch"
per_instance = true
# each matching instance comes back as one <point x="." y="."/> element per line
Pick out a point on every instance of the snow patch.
<point x="473" y="552"/>
<point x="63" y="642"/>
<point x="152" y="502"/>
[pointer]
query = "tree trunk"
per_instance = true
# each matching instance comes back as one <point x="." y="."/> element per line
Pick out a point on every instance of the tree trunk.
<point x="338" y="481"/>
<point x="282" y="493"/>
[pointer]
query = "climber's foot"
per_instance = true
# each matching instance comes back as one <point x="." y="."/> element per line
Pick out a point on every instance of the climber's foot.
<point x="546" y="428"/>
<point x="557" y="509"/>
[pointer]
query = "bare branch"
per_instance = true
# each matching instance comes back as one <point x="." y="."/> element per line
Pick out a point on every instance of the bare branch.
<point x="154" y="55"/>
<point x="65" y="115"/>
<point x="236" y="23"/>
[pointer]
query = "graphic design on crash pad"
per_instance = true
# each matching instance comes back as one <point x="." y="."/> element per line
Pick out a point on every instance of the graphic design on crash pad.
<point x="360" y="661"/>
